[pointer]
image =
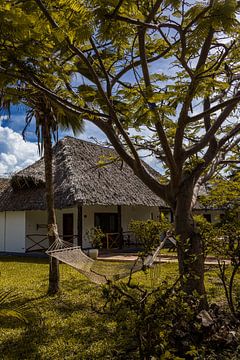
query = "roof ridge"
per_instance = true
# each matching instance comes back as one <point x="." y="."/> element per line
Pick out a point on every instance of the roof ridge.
<point x="86" y="142"/>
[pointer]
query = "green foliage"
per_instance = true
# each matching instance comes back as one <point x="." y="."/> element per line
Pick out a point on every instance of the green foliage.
<point x="224" y="192"/>
<point x="149" y="321"/>
<point x="95" y="236"/>
<point x="149" y="232"/>
<point x="208" y="234"/>
<point x="223" y="240"/>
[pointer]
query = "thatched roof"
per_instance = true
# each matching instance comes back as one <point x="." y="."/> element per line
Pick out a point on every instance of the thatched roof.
<point x="78" y="179"/>
<point x="4" y="183"/>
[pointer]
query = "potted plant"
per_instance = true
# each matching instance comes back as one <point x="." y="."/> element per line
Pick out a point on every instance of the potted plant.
<point x="95" y="237"/>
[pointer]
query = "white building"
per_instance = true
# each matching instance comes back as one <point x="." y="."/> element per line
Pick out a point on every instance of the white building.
<point x="86" y="195"/>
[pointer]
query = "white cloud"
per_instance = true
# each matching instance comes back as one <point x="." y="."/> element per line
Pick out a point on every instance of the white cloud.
<point x="15" y="153"/>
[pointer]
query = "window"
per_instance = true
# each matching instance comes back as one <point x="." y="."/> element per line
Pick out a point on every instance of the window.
<point x="108" y="222"/>
<point x="208" y="217"/>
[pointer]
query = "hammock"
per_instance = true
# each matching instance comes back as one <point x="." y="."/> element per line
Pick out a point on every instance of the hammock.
<point x="99" y="271"/>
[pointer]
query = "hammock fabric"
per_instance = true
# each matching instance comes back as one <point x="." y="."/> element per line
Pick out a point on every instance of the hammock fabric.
<point x="98" y="271"/>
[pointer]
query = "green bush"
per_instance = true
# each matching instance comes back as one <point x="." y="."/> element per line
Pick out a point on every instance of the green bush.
<point x="158" y="323"/>
<point x="149" y="232"/>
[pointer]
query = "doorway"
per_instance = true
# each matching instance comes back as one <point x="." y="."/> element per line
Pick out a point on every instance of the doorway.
<point x="68" y="227"/>
<point x="108" y="223"/>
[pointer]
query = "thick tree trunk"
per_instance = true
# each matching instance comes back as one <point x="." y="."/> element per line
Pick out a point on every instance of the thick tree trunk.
<point x="52" y="224"/>
<point x="189" y="247"/>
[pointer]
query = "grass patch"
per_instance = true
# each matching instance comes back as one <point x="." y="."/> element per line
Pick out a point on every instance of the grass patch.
<point x="67" y="326"/>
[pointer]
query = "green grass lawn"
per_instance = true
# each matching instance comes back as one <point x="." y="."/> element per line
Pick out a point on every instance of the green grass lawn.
<point x="67" y="326"/>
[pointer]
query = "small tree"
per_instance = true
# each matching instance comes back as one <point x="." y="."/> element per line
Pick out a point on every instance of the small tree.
<point x="223" y="238"/>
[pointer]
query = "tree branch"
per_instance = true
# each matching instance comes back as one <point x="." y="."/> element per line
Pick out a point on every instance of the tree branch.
<point x="205" y="49"/>
<point x="229" y="135"/>
<point x="35" y="82"/>
<point x="142" y="24"/>
<point x="138" y="62"/>
<point x="148" y="179"/>
<point x="109" y="92"/>
<point x="212" y="131"/>
<point x="234" y="100"/>
<point x="149" y="91"/>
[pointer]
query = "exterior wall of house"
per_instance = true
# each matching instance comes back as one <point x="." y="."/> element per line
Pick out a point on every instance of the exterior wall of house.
<point x="128" y="213"/>
<point x="213" y="215"/>
<point x="2" y="231"/>
<point x="20" y="231"/>
<point x="36" y="230"/>
<point x="15" y="231"/>
<point x="36" y="222"/>
<point x="36" y="227"/>
<point x="138" y="213"/>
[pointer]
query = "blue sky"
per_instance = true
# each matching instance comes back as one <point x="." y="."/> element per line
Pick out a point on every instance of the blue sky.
<point x="17" y="153"/>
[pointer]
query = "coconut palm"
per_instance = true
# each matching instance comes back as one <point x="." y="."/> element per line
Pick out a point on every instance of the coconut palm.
<point x="49" y="117"/>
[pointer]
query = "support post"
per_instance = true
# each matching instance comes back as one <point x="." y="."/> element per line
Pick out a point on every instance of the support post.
<point x="80" y="225"/>
<point x="120" y="230"/>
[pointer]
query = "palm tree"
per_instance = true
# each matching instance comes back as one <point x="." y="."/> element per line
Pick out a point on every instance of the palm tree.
<point x="49" y="117"/>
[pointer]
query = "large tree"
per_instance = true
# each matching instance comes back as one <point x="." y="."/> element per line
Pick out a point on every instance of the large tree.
<point x="155" y="76"/>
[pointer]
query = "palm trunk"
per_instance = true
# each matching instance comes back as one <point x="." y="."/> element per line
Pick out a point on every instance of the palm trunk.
<point x="189" y="247"/>
<point x="52" y="224"/>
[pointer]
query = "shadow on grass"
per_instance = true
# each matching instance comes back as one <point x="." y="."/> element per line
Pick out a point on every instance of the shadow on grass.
<point x="77" y="295"/>
<point x="24" y="345"/>
<point x="70" y="330"/>
<point x="25" y="336"/>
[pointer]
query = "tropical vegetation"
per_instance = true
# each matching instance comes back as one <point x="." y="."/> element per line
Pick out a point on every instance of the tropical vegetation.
<point x="159" y="77"/>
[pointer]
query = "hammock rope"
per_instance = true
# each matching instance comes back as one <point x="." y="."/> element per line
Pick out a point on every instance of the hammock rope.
<point x="99" y="271"/>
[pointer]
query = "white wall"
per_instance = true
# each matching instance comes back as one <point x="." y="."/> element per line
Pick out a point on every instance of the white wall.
<point x="138" y="213"/>
<point x="36" y="226"/>
<point x="15" y="231"/>
<point x="2" y="231"/>
<point x="36" y="229"/>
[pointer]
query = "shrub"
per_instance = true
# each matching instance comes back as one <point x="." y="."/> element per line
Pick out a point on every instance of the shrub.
<point x="149" y="232"/>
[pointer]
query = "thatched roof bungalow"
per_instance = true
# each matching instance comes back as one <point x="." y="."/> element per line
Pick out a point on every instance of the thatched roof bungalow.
<point x="86" y="194"/>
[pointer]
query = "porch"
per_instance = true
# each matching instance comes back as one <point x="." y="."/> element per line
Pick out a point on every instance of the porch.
<point x="123" y="241"/>
<point x="74" y="223"/>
